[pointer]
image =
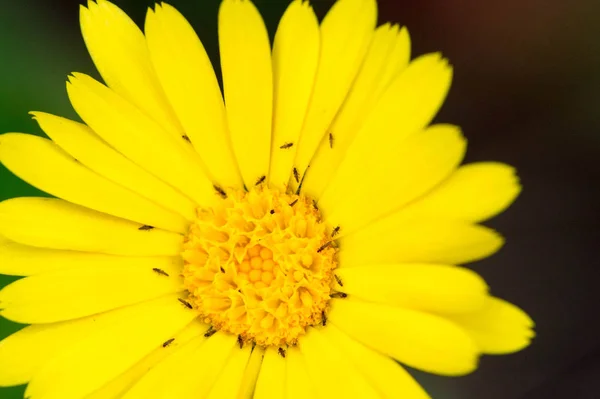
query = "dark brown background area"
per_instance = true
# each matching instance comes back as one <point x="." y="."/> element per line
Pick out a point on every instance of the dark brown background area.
<point x="526" y="91"/>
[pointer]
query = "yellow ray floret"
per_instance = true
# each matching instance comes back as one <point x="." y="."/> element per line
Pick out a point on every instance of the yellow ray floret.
<point x="72" y="293"/>
<point x="59" y="174"/>
<point x="346" y="32"/>
<point x="426" y="287"/>
<point x="327" y="365"/>
<point x="118" y="386"/>
<point x="58" y="224"/>
<point x="387" y="57"/>
<point x="474" y="192"/>
<point x="139" y="138"/>
<point x="420" y="340"/>
<point x="248" y="381"/>
<point x="248" y="85"/>
<point x="114" y="350"/>
<point x="271" y="379"/>
<point x="295" y="58"/>
<point x="392" y="241"/>
<point x="198" y="377"/>
<point x="25" y="352"/>
<point x="297" y="382"/>
<point x="498" y="328"/>
<point x="88" y="148"/>
<point x="228" y="383"/>
<point x="24" y="260"/>
<point x="398" y="175"/>
<point x="387" y="376"/>
<point x="159" y="381"/>
<point x="184" y="71"/>
<point x="120" y="53"/>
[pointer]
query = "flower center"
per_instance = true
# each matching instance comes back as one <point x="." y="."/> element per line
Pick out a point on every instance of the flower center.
<point x="260" y="265"/>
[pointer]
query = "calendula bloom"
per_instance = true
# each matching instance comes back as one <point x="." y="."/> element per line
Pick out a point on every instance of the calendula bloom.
<point x="295" y="236"/>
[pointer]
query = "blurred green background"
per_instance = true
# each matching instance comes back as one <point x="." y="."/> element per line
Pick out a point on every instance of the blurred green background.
<point x="526" y="92"/>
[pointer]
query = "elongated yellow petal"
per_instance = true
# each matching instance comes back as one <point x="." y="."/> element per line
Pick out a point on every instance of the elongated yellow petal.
<point x="159" y="381"/>
<point x="114" y="350"/>
<point x="248" y="382"/>
<point x="387" y="376"/>
<point x="420" y="340"/>
<point x="139" y="138"/>
<point x="426" y="287"/>
<point x="84" y="145"/>
<point x="295" y="59"/>
<point x="297" y="383"/>
<point x="271" y="379"/>
<point x="117" y="387"/>
<point x="61" y="175"/>
<point x="26" y="351"/>
<point x="387" y="57"/>
<point x="346" y="33"/>
<point x="474" y="192"/>
<point x="331" y="374"/>
<point x="445" y="242"/>
<point x="120" y="53"/>
<point x="54" y="223"/>
<point x="498" y="328"/>
<point x="203" y="368"/>
<point x="381" y="184"/>
<point x="406" y="107"/>
<point x="189" y="81"/>
<point x="23" y="260"/>
<point x="72" y="293"/>
<point x="228" y="385"/>
<point x="248" y="85"/>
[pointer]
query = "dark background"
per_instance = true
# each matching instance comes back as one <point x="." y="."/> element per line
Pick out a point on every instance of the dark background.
<point x="526" y="91"/>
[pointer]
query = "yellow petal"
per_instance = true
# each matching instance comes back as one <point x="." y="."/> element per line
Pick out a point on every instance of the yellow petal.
<point x="26" y="351"/>
<point x="419" y="340"/>
<point x="203" y="368"/>
<point x="184" y="70"/>
<point x="474" y="192"/>
<point x="331" y="374"/>
<point x="139" y="138"/>
<point x="72" y="293"/>
<point x="248" y="382"/>
<point x="383" y="181"/>
<point x="271" y="379"/>
<point x="346" y="32"/>
<point x="446" y="242"/>
<point x="295" y="59"/>
<point x="111" y="351"/>
<point x="84" y="145"/>
<point x="248" y="85"/>
<point x="426" y="287"/>
<point x="386" y="375"/>
<point x="498" y="328"/>
<point x="22" y="260"/>
<point x="297" y="383"/>
<point x="61" y="175"/>
<point x="120" y="53"/>
<point x="388" y="55"/>
<point x="54" y="223"/>
<point x="116" y="388"/>
<point x="159" y="381"/>
<point x="228" y="385"/>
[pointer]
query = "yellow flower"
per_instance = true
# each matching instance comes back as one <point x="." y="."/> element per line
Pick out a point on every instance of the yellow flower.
<point x="295" y="242"/>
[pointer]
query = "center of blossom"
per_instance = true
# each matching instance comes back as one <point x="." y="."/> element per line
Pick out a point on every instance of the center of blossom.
<point x="259" y="265"/>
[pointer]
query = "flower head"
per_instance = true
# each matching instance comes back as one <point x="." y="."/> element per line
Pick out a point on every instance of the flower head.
<point x="293" y="236"/>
